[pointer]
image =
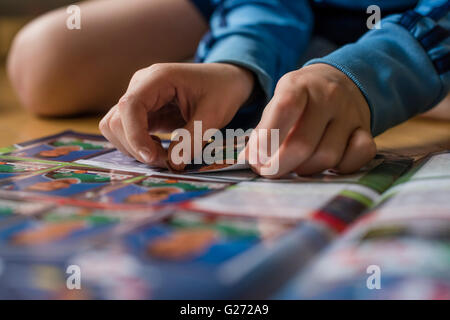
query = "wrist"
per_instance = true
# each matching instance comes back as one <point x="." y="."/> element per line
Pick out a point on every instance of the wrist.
<point x="243" y="81"/>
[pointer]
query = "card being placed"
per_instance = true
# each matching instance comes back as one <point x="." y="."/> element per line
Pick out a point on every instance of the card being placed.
<point x="116" y="160"/>
<point x="227" y="159"/>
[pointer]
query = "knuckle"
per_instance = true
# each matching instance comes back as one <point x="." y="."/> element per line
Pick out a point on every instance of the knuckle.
<point x="160" y="69"/>
<point x="331" y="89"/>
<point x="290" y="81"/>
<point x="287" y="101"/>
<point x="327" y="159"/>
<point x="122" y="105"/>
<point x="365" y="144"/>
<point x="288" y="78"/>
<point x="103" y="125"/>
<point x="156" y="69"/>
<point x="138" y="75"/>
<point x="115" y="123"/>
<point x="126" y="101"/>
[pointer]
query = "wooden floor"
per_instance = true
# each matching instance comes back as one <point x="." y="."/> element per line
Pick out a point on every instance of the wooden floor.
<point x="17" y="125"/>
<point x="418" y="135"/>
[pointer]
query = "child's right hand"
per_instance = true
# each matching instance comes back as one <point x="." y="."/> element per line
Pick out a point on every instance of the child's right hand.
<point x="165" y="97"/>
<point x="323" y="121"/>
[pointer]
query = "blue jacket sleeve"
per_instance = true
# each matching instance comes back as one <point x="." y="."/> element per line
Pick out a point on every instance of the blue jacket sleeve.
<point x="403" y="68"/>
<point x="264" y="36"/>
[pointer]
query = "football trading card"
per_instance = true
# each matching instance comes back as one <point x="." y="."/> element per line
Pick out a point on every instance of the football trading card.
<point x="97" y="215"/>
<point x="234" y="175"/>
<point x="395" y="256"/>
<point x="227" y="160"/>
<point x="158" y="190"/>
<point x="207" y="256"/>
<point x="20" y="207"/>
<point x="119" y="161"/>
<point x="228" y="172"/>
<point x="70" y="133"/>
<point x="52" y="228"/>
<point x="194" y="238"/>
<point x="38" y="280"/>
<point x="54" y="233"/>
<point x="71" y="213"/>
<point x="4" y="150"/>
<point x="66" y="147"/>
<point x="116" y="160"/>
<point x="10" y="168"/>
<point x="67" y="181"/>
<point x="112" y="273"/>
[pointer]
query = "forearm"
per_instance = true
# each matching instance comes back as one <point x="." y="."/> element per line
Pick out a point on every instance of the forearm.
<point x="264" y="36"/>
<point x="403" y="68"/>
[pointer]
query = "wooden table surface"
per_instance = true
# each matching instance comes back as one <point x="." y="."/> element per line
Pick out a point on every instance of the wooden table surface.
<point x="415" y="136"/>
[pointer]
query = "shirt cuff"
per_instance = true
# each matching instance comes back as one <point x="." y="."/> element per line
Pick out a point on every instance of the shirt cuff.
<point x="248" y="53"/>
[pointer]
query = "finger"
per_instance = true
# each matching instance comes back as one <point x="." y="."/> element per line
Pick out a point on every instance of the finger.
<point x="107" y="129"/>
<point x="360" y="150"/>
<point x="282" y="113"/>
<point x="119" y="134"/>
<point x="149" y="90"/>
<point x="136" y="139"/>
<point x="329" y="152"/>
<point x="187" y="143"/>
<point x="298" y="146"/>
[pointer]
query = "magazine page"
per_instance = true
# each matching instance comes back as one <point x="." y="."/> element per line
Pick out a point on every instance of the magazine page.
<point x="398" y="250"/>
<point x="181" y="227"/>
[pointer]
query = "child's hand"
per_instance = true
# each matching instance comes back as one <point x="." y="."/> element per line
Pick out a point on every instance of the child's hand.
<point x="324" y="123"/>
<point x="165" y="97"/>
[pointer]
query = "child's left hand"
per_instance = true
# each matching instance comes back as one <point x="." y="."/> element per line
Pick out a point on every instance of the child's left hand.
<point x="324" y="123"/>
<point x="168" y="96"/>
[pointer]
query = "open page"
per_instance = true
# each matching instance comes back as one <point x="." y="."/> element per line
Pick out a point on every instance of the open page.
<point x="399" y="249"/>
<point x="172" y="234"/>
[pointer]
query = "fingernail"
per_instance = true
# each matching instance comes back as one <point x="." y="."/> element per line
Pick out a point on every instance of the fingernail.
<point x="145" y="155"/>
